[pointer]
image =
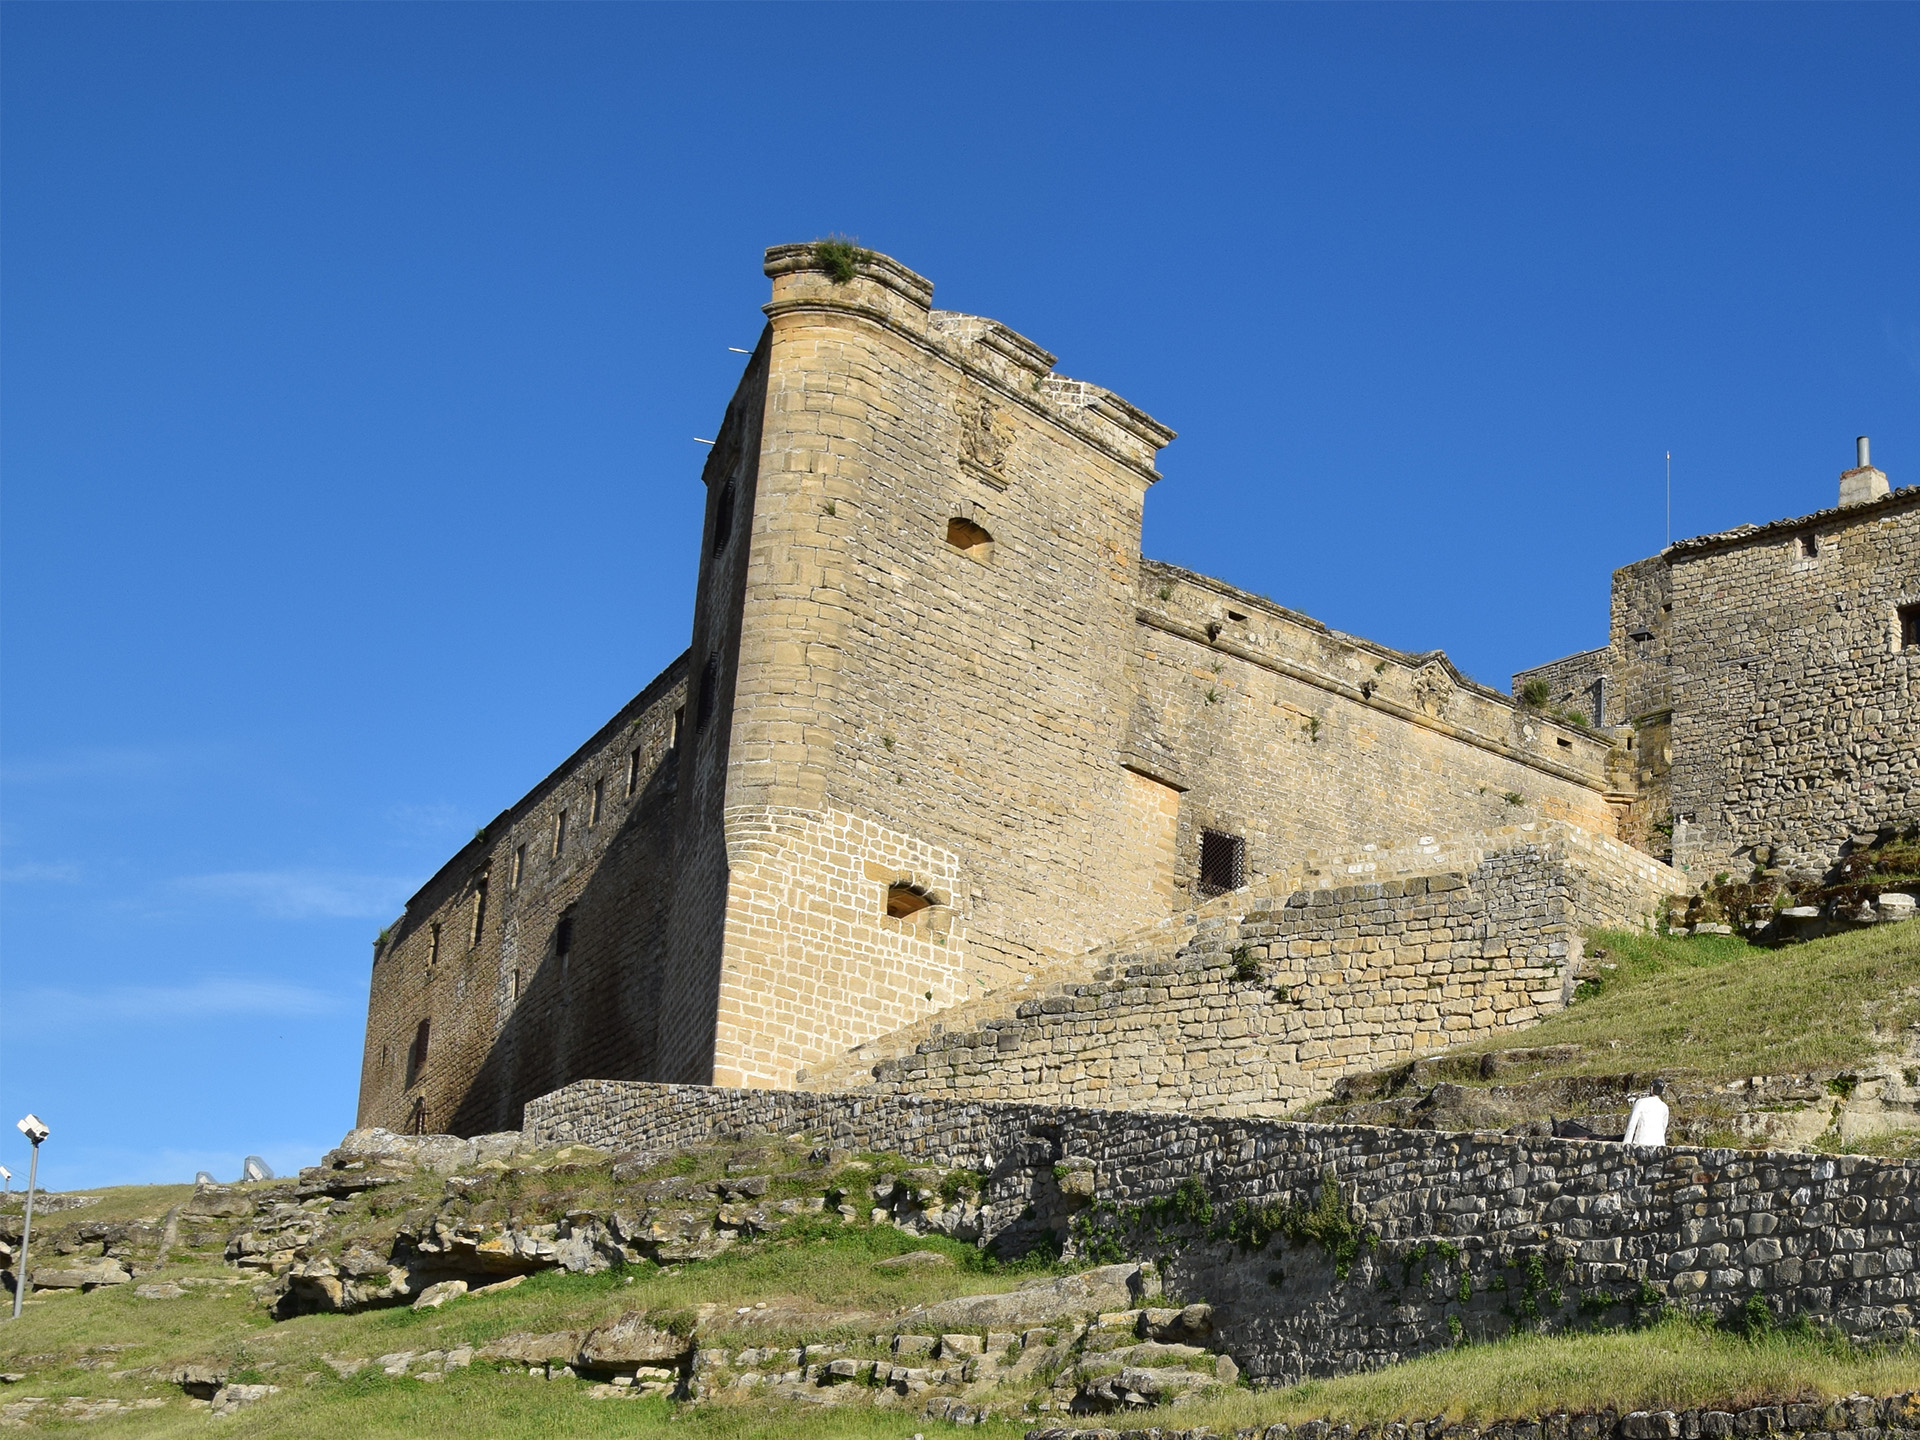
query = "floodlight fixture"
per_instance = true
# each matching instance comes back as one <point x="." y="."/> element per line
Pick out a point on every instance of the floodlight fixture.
<point x="35" y="1129"/>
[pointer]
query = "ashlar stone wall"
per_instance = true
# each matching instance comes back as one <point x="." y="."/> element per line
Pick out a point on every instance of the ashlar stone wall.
<point x="1456" y="1235"/>
<point x="1258" y="1009"/>
<point x="1298" y="738"/>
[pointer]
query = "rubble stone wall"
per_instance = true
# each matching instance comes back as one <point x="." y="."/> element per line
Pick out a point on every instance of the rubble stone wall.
<point x="1465" y="1235"/>
<point x="1795" y="709"/>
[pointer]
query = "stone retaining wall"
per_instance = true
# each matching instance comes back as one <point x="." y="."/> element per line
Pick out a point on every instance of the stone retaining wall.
<point x="1891" y="1417"/>
<point x="1260" y="1010"/>
<point x="1470" y="1235"/>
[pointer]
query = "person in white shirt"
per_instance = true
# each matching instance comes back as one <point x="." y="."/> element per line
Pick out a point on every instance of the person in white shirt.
<point x="1647" y="1124"/>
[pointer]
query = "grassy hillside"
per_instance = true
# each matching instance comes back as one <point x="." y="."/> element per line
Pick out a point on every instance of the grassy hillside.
<point x="1708" y="1012"/>
<point x="111" y="1345"/>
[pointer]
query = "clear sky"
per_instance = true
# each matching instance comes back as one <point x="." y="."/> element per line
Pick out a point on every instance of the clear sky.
<point x="353" y="356"/>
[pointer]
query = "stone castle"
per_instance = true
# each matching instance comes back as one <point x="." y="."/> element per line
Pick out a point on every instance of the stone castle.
<point x="955" y="792"/>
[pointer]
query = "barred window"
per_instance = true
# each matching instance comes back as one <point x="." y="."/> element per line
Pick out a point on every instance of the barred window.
<point x="1223" y="862"/>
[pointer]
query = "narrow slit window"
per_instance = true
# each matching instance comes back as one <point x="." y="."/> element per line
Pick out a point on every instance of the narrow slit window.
<point x="599" y="798"/>
<point x="417" y="1053"/>
<point x="563" y="937"/>
<point x="517" y="868"/>
<point x="559" y="833"/>
<point x="903" y="900"/>
<point x="1223" y="862"/>
<point x="1910" y="627"/>
<point x="479" y="914"/>
<point x="679" y="724"/>
<point x="433" y="945"/>
<point x="969" y="538"/>
<point x="633" y="772"/>
<point x="723" y="518"/>
<point x="709" y="691"/>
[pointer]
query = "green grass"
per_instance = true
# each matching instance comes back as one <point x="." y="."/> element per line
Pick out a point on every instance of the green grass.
<point x="1717" y="1007"/>
<point x="1677" y="1364"/>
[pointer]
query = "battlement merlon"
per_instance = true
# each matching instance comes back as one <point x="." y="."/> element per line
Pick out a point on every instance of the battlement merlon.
<point x="886" y="293"/>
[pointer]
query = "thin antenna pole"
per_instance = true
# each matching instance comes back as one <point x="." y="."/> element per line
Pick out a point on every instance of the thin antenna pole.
<point x="1669" y="499"/>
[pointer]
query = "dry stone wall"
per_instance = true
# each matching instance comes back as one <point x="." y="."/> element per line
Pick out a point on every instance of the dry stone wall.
<point x="1452" y="1235"/>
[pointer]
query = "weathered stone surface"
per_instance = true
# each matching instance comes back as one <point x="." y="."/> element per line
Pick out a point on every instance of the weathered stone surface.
<point x="530" y="1349"/>
<point x="80" y="1276"/>
<point x="632" y="1340"/>
<point x="915" y="1260"/>
<point x="434" y="1296"/>
<point x="1037" y="1302"/>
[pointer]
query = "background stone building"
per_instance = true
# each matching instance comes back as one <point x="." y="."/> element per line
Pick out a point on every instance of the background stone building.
<point x="1764" y="684"/>
<point x="940" y="725"/>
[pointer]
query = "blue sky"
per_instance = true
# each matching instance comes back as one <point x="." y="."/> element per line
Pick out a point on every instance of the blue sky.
<point x="353" y="356"/>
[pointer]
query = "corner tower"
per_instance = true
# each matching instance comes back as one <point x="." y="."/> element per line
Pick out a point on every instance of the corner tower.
<point x="913" y="640"/>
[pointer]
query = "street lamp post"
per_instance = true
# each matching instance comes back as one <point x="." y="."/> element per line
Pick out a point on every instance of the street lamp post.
<point x="35" y="1130"/>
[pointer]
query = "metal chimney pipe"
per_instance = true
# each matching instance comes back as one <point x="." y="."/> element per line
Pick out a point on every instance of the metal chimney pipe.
<point x="1860" y="448"/>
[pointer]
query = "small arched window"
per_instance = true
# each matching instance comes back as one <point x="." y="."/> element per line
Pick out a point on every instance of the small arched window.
<point x="968" y="538"/>
<point x="905" y="901"/>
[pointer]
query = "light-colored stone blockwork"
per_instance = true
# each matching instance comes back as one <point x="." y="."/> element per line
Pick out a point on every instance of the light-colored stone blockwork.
<point x="1299" y="738"/>
<point x="1261" y="1002"/>
<point x="814" y="964"/>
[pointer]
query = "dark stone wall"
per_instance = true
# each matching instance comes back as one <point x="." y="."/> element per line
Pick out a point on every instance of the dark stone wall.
<point x="511" y="1012"/>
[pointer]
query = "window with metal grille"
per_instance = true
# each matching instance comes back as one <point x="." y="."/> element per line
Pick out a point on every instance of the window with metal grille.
<point x="1223" y="862"/>
<point x="1910" y="627"/>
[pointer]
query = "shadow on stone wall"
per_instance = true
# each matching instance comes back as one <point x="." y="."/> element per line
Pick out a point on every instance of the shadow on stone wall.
<point x="591" y="1012"/>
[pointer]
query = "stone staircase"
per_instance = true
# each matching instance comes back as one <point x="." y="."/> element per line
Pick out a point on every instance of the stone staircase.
<point x="1260" y="998"/>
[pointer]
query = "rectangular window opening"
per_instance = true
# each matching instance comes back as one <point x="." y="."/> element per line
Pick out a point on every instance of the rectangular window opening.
<point x="563" y="937"/>
<point x="633" y="772"/>
<point x="1910" y="627"/>
<point x="709" y="692"/>
<point x="559" y="833"/>
<point x="1809" y="546"/>
<point x="599" y="798"/>
<point x="417" y="1053"/>
<point x="479" y="913"/>
<point x="1223" y="862"/>
<point x="518" y="868"/>
<point x="433" y="944"/>
<point x="679" y="724"/>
